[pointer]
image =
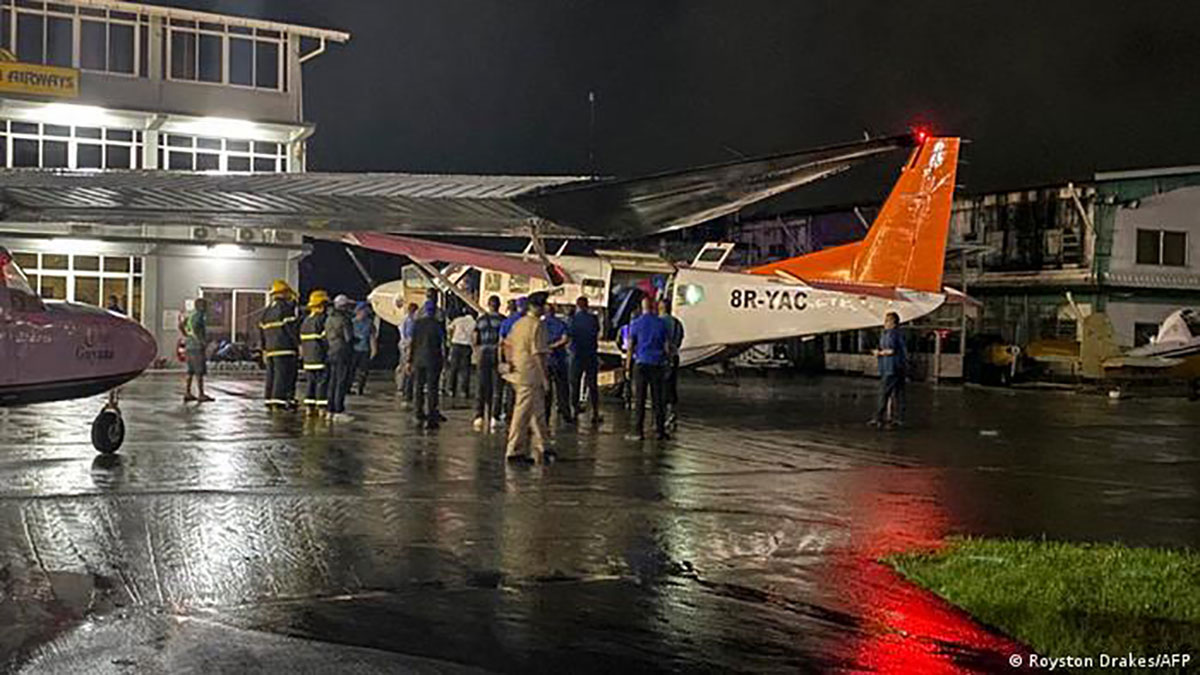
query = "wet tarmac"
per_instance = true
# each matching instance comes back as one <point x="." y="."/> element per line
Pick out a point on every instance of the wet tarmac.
<point x="227" y="539"/>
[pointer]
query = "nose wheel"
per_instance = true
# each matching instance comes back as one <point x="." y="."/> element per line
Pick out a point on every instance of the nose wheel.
<point x="108" y="429"/>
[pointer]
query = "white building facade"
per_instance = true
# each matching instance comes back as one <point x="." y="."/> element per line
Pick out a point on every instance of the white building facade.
<point x="103" y="85"/>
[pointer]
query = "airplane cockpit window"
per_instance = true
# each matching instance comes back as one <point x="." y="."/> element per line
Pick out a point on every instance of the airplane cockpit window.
<point x="1192" y="319"/>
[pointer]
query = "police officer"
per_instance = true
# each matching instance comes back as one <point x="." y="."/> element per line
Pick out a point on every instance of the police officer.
<point x="314" y="349"/>
<point x="281" y="345"/>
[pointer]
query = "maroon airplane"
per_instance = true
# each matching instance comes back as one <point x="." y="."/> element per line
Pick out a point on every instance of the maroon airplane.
<point x="54" y="351"/>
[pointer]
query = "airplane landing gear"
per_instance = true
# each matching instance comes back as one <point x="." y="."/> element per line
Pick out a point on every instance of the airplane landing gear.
<point x="108" y="429"/>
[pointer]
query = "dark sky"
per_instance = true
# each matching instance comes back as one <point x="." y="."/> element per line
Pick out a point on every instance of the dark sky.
<point x="1046" y="90"/>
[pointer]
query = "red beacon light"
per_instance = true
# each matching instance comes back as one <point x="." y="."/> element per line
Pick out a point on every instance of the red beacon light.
<point x="921" y="135"/>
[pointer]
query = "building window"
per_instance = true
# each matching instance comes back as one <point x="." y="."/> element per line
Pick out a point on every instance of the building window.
<point x="104" y="40"/>
<point x="1161" y="247"/>
<point x="54" y="146"/>
<point x="178" y="152"/>
<point x="89" y="279"/>
<point x="199" y="51"/>
<point x="1144" y="333"/>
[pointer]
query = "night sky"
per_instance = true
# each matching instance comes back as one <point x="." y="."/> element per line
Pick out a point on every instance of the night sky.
<point x="1046" y="90"/>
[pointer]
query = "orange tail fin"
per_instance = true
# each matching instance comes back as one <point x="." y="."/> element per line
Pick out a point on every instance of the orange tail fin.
<point x="906" y="245"/>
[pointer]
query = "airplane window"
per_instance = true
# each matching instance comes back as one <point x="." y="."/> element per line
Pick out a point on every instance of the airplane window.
<point x="518" y="283"/>
<point x="491" y="282"/>
<point x="689" y="294"/>
<point x="593" y="288"/>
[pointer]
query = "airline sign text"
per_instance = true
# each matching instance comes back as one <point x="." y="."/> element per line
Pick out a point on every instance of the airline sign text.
<point x="781" y="299"/>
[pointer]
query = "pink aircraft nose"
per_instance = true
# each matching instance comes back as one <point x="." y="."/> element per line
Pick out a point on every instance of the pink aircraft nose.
<point x="136" y="348"/>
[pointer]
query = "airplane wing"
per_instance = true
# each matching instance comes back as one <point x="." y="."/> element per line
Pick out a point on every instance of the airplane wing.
<point x="418" y="204"/>
<point x="431" y="251"/>
<point x="679" y="199"/>
<point x="1141" y="362"/>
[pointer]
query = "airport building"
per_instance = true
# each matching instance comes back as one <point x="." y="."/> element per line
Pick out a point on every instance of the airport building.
<point x="133" y="89"/>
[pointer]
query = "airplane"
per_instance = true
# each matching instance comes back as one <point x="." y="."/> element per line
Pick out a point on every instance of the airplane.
<point x="896" y="268"/>
<point x="56" y="351"/>
<point x="1174" y="353"/>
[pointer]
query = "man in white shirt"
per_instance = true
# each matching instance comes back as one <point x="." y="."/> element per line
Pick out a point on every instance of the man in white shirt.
<point x="462" y="335"/>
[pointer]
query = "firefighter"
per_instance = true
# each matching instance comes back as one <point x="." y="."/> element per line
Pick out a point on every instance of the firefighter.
<point x="281" y="345"/>
<point x="314" y="349"/>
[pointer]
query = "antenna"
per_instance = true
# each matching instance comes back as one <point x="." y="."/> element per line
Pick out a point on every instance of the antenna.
<point x="592" y="133"/>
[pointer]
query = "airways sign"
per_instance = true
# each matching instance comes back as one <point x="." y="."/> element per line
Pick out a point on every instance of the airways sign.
<point x="30" y="78"/>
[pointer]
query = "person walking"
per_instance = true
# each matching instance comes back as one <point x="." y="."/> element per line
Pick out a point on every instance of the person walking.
<point x="528" y="348"/>
<point x="426" y="354"/>
<point x="893" y="366"/>
<point x="339" y="336"/>
<point x="584" y="330"/>
<point x="559" y="393"/>
<point x="314" y="349"/>
<point x="462" y="337"/>
<point x="280" y="335"/>
<point x="675" y="336"/>
<point x="648" y="355"/>
<point x="404" y="367"/>
<point x="195" y="337"/>
<point x="487" y="344"/>
<point x="364" y="344"/>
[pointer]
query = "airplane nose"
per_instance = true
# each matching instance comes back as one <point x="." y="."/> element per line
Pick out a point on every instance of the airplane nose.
<point x="137" y="343"/>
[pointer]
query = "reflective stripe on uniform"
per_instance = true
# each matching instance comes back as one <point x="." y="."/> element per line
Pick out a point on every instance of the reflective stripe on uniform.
<point x="314" y="366"/>
<point x="276" y="324"/>
<point x="280" y="352"/>
<point x="312" y="336"/>
<point x="314" y="401"/>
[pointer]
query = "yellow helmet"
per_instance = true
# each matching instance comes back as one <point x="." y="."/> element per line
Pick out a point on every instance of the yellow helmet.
<point x="318" y="298"/>
<point x="280" y="287"/>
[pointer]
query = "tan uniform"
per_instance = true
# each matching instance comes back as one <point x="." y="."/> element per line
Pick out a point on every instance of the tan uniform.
<point x="528" y="348"/>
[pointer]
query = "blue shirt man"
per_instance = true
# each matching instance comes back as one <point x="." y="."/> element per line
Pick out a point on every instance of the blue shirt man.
<point x="514" y="316"/>
<point x="649" y="334"/>
<point x="556" y="330"/>
<point x="893" y="357"/>
<point x="584" y="330"/>
<point x="364" y="328"/>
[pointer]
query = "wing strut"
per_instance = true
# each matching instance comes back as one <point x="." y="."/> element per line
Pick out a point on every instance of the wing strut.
<point x="436" y="274"/>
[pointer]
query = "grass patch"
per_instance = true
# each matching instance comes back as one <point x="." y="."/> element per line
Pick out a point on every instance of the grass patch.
<point x="1067" y="599"/>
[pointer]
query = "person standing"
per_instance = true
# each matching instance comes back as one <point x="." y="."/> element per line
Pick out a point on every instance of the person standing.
<point x="584" y="330"/>
<point x="487" y="343"/>
<point x="528" y="348"/>
<point x="648" y="354"/>
<point x="893" y="366"/>
<point x="364" y="344"/>
<point x="114" y="305"/>
<point x="623" y="345"/>
<point x="516" y="311"/>
<point x="339" y="336"/>
<point x="426" y="353"/>
<point x="556" y="367"/>
<point x="671" y="375"/>
<point x="195" y="335"/>
<point x="314" y="349"/>
<point x="404" y="368"/>
<point x="462" y="335"/>
<point x="280" y="333"/>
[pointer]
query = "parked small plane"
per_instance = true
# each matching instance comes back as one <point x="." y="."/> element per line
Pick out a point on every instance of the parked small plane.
<point x="53" y="350"/>
<point x="897" y="267"/>
<point x="1174" y="354"/>
<point x="56" y="351"/>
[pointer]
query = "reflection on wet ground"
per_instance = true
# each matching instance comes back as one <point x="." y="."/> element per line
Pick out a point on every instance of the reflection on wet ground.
<point x="227" y="539"/>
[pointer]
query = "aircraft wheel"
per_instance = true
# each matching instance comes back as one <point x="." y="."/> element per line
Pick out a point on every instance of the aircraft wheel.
<point x="108" y="431"/>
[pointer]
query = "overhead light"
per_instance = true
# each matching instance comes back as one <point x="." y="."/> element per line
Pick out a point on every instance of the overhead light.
<point x="221" y="127"/>
<point x="77" y="246"/>
<point x="226" y="249"/>
<point x="70" y="114"/>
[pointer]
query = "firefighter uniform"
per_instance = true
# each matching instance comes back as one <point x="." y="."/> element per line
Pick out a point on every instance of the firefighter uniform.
<point x="281" y="346"/>
<point x="314" y="350"/>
